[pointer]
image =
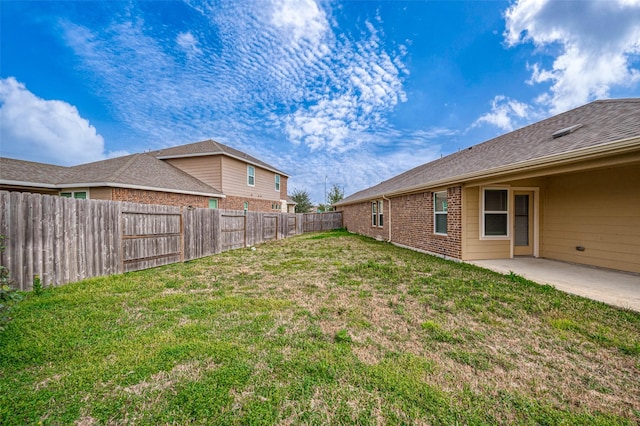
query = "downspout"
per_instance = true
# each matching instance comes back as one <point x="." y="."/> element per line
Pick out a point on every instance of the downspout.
<point x="389" y="220"/>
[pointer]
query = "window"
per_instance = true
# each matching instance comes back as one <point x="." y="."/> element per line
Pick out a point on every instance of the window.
<point x="79" y="195"/>
<point x="440" y="212"/>
<point x="246" y="205"/>
<point x="495" y="213"/>
<point x="251" y="176"/>
<point x="377" y="218"/>
<point x="278" y="183"/>
<point x="213" y="203"/>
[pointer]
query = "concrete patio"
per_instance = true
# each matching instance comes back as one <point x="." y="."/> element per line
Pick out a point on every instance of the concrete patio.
<point x="614" y="288"/>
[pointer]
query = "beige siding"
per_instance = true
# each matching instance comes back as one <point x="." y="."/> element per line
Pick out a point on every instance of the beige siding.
<point x="234" y="181"/>
<point x="598" y="210"/>
<point x="474" y="248"/>
<point x="101" y="193"/>
<point x="207" y="169"/>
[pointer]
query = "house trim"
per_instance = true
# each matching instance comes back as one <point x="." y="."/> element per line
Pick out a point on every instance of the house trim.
<point x="621" y="146"/>
<point x="30" y="184"/>
<point x="536" y="216"/>
<point x="141" y="187"/>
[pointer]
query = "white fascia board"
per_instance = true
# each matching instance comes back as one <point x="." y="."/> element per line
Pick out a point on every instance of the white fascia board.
<point x="589" y="153"/>
<point x="141" y="187"/>
<point x="33" y="184"/>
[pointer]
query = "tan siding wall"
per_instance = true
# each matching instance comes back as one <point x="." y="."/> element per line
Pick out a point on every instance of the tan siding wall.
<point x="234" y="181"/>
<point x="597" y="210"/>
<point x="207" y="169"/>
<point x="474" y="247"/>
<point x="101" y="193"/>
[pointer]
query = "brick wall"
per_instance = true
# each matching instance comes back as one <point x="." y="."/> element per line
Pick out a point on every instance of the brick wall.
<point x="157" y="197"/>
<point x="412" y="222"/>
<point x="283" y="187"/>
<point x="357" y="218"/>
<point x="255" y="204"/>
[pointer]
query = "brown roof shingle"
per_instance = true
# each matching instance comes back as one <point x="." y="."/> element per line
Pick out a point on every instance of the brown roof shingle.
<point x="139" y="170"/>
<point x="30" y="171"/>
<point x="602" y="122"/>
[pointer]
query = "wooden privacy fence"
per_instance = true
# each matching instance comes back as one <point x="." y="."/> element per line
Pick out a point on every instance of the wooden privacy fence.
<point x="63" y="240"/>
<point x="322" y="221"/>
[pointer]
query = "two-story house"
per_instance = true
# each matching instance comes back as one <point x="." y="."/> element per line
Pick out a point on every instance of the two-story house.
<point x="204" y="174"/>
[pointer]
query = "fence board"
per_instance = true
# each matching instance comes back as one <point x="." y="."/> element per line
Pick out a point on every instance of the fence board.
<point x="64" y="239"/>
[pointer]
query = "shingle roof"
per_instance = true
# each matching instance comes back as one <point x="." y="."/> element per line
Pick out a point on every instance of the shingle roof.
<point x="29" y="171"/>
<point x="143" y="170"/>
<point x="602" y="122"/>
<point x="211" y="147"/>
<point x="137" y="170"/>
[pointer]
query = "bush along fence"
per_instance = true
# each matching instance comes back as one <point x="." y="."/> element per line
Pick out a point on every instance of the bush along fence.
<point x="55" y="240"/>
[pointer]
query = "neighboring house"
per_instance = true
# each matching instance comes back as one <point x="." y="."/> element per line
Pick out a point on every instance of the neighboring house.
<point x="248" y="183"/>
<point x="187" y="175"/>
<point x="565" y="188"/>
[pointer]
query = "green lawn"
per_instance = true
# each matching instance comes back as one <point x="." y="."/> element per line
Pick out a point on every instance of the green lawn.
<point x="326" y="328"/>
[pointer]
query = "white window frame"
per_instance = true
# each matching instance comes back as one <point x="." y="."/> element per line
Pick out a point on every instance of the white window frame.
<point x="374" y="214"/>
<point x="377" y="214"/>
<point x="251" y="176"/>
<point x="507" y="212"/>
<point x="72" y="194"/>
<point x="277" y="183"/>
<point x="437" y="213"/>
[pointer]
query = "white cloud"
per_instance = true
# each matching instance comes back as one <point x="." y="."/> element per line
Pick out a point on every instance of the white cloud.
<point x="188" y="43"/>
<point x="276" y="65"/>
<point x="302" y="19"/>
<point x="505" y="113"/>
<point x="42" y="130"/>
<point x="598" y="41"/>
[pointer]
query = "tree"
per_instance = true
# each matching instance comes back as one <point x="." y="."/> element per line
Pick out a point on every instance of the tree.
<point x="301" y="197"/>
<point x="335" y="194"/>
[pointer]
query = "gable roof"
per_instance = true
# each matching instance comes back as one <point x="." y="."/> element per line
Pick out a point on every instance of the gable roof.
<point x="602" y="124"/>
<point x="142" y="171"/>
<point x="211" y="147"/>
<point x="136" y="171"/>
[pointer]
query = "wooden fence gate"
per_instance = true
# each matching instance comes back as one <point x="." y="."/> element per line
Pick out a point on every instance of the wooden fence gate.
<point x="234" y="231"/>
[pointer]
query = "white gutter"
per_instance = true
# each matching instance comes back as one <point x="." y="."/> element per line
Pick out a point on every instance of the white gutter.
<point x="612" y="148"/>
<point x="110" y="184"/>
<point x="21" y="183"/>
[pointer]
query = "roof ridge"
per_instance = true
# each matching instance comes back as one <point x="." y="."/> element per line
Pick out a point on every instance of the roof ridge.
<point x="126" y="165"/>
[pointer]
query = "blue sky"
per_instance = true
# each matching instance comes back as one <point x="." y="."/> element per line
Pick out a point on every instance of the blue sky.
<point x="354" y="91"/>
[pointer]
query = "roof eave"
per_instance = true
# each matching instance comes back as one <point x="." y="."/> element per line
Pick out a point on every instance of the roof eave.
<point x="612" y="148"/>
<point x="141" y="187"/>
<point x="28" y="184"/>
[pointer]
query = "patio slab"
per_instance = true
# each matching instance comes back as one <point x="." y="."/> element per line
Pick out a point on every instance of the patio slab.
<point x="612" y="287"/>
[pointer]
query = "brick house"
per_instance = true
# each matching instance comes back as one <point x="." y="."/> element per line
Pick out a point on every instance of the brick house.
<point x="204" y="174"/>
<point x="565" y="188"/>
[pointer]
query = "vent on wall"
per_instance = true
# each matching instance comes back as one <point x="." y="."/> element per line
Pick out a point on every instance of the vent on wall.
<point x="563" y="132"/>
